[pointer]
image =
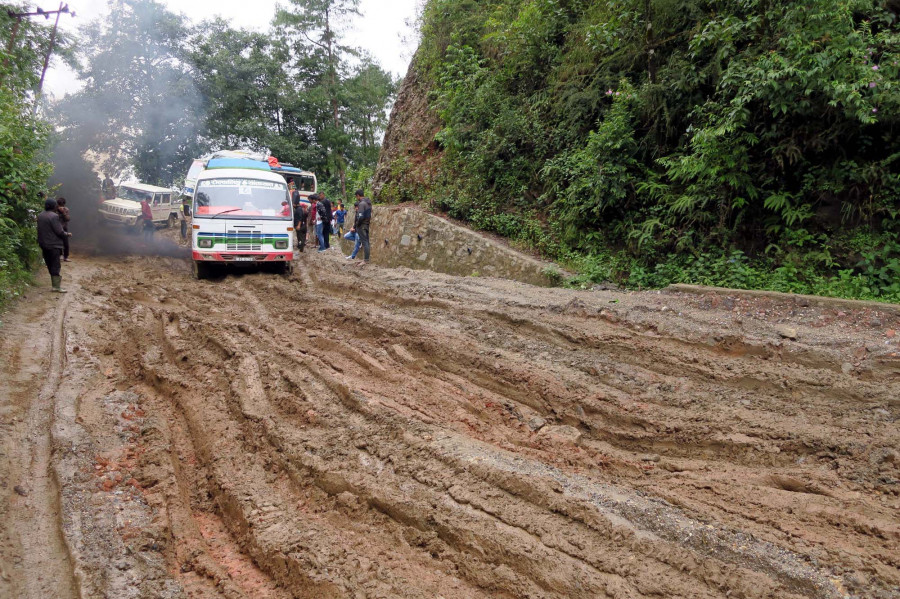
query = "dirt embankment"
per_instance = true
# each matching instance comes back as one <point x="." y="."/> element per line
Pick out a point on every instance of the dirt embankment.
<point x="373" y="432"/>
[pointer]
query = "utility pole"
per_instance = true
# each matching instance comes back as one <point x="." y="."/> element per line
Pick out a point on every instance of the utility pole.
<point x="39" y="12"/>
<point x="37" y="94"/>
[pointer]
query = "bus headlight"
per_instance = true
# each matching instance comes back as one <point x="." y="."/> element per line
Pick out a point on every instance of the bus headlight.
<point x="281" y="245"/>
<point x="204" y="243"/>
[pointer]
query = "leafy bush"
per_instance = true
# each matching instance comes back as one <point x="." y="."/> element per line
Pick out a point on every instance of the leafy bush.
<point x="23" y="173"/>
<point x="24" y="167"/>
<point x="733" y="142"/>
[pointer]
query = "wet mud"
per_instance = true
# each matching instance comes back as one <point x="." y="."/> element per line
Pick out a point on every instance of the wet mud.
<point x="371" y="432"/>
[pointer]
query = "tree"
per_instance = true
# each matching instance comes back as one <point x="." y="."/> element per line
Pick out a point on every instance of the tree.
<point x="313" y="29"/>
<point x="24" y="167"/>
<point x="139" y="105"/>
<point x="365" y="95"/>
<point x="239" y="76"/>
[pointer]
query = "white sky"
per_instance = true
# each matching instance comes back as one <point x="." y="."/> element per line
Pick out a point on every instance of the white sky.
<point x="384" y="29"/>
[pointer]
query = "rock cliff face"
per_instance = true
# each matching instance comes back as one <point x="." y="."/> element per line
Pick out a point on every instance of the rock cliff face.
<point x="409" y="151"/>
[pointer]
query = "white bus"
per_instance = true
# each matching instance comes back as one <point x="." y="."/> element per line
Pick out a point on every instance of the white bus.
<point x="242" y="216"/>
<point x="304" y="181"/>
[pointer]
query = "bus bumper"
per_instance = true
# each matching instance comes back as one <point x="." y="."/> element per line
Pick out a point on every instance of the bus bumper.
<point x="243" y="257"/>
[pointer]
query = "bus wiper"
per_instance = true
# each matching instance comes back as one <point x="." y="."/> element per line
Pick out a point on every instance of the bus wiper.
<point x="226" y="212"/>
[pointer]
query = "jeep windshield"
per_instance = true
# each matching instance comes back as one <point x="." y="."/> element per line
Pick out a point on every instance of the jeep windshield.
<point x="242" y="199"/>
<point x="127" y="193"/>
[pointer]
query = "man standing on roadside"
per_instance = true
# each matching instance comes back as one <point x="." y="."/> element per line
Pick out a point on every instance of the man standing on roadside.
<point x="361" y="222"/>
<point x="324" y="211"/>
<point x="354" y="235"/>
<point x="315" y="224"/>
<point x="64" y="218"/>
<point x="301" y="217"/>
<point x="147" y="216"/>
<point x="50" y="235"/>
<point x="185" y="215"/>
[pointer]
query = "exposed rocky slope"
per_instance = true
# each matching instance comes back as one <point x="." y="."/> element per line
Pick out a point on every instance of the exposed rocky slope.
<point x="409" y="139"/>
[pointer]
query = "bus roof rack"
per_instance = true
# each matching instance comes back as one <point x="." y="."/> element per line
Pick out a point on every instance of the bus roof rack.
<point x="238" y="163"/>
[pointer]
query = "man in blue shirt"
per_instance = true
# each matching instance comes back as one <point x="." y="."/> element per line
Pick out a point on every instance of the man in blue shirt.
<point x="339" y="216"/>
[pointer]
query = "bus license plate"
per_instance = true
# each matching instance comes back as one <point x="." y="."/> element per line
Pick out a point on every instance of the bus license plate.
<point x="245" y="258"/>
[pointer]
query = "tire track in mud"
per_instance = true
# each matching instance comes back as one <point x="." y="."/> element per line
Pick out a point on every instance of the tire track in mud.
<point x="253" y="406"/>
<point x="46" y="567"/>
<point x="252" y="395"/>
<point x="652" y="365"/>
<point x="379" y="444"/>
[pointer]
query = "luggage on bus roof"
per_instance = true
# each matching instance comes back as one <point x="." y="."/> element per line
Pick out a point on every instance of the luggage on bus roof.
<point x="287" y="169"/>
<point x="238" y="163"/>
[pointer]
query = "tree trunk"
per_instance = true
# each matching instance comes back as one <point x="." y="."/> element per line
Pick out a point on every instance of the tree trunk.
<point x="332" y="75"/>
<point x="651" y="40"/>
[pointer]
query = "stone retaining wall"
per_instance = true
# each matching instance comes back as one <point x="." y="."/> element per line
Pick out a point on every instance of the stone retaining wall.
<point x="403" y="236"/>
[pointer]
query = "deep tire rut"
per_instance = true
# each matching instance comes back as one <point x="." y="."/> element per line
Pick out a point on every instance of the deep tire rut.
<point x="368" y="432"/>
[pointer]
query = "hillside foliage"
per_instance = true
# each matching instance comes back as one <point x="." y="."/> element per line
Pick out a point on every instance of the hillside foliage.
<point x="751" y="143"/>
<point x="160" y="90"/>
<point x="24" y="158"/>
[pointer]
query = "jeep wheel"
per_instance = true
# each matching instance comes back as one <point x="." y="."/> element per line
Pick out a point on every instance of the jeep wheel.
<point x="171" y="222"/>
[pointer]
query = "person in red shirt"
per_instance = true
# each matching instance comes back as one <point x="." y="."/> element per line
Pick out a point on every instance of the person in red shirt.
<point x="147" y="216"/>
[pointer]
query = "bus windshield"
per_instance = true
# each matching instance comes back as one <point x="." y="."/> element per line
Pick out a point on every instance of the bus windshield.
<point x="242" y="198"/>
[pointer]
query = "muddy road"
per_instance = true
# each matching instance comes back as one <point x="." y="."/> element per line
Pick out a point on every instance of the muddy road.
<point x="373" y="432"/>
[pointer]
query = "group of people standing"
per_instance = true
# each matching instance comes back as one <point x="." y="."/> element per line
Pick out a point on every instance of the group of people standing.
<point x="319" y="217"/>
<point x="53" y="238"/>
<point x="321" y="220"/>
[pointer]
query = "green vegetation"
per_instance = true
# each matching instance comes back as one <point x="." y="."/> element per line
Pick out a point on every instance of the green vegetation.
<point x="160" y="91"/>
<point x="24" y="167"/>
<point x="746" y="143"/>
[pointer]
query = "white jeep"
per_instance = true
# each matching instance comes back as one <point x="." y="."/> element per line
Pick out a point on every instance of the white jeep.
<point x="125" y="210"/>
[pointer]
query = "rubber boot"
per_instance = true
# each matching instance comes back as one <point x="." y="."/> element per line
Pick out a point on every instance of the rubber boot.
<point x="56" y="282"/>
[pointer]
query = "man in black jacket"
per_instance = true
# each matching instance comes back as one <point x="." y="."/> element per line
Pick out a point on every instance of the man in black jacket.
<point x="361" y="222"/>
<point x="50" y="238"/>
<point x="64" y="218"/>
<point x="324" y="208"/>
